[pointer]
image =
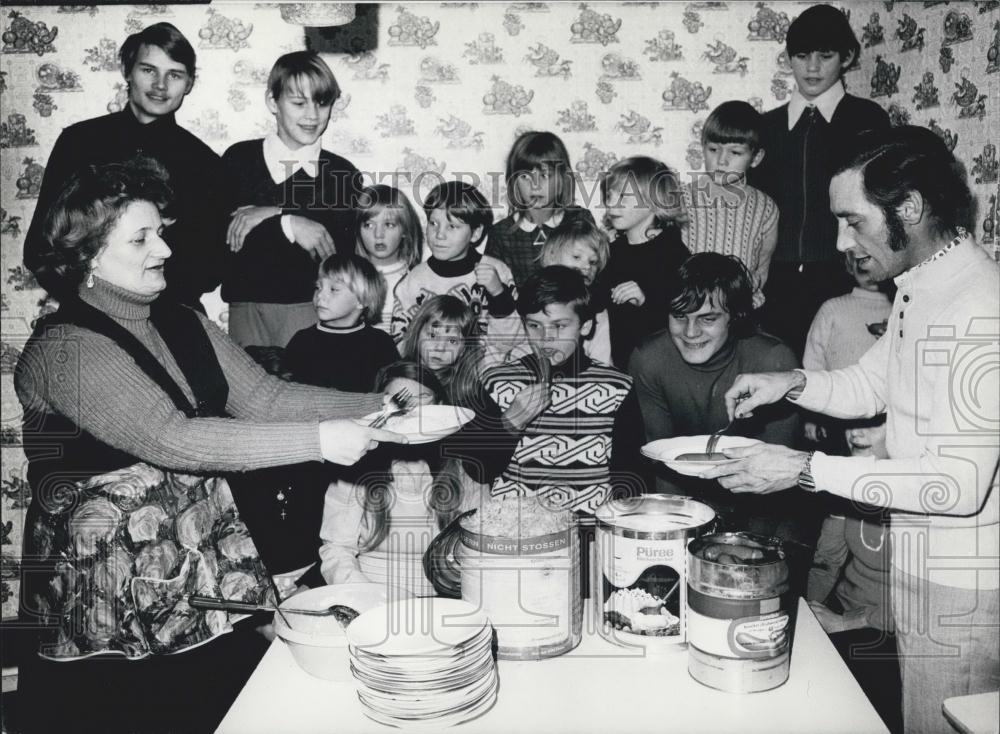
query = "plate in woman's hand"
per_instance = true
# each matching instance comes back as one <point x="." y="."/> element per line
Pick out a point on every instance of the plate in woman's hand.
<point x="426" y="423"/>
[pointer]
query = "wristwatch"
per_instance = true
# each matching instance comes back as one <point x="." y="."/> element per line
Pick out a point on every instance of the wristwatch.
<point x="806" y="480"/>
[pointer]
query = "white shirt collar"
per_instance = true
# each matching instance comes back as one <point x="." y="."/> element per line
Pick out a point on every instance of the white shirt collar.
<point x="525" y="224"/>
<point x="282" y="162"/>
<point x="826" y="103"/>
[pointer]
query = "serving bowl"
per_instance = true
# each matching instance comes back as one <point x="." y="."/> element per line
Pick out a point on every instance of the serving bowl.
<point x="319" y="644"/>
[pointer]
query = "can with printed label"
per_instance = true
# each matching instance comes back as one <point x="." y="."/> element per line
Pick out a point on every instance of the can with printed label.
<point x="641" y="547"/>
<point x="738" y="612"/>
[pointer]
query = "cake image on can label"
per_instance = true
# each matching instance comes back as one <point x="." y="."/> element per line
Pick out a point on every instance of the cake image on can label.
<point x="641" y="546"/>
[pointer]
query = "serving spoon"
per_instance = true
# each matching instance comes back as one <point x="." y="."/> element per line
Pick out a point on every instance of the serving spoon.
<point x="343" y="613"/>
<point x="710" y="453"/>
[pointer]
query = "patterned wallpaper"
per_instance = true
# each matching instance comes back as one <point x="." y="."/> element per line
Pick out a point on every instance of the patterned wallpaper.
<point x="442" y="89"/>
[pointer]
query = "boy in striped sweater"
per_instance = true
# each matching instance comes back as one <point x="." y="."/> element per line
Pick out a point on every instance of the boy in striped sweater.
<point x="561" y="446"/>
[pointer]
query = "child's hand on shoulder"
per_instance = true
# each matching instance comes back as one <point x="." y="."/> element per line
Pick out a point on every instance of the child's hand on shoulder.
<point x="628" y="292"/>
<point x="312" y="237"/>
<point x="488" y="277"/>
<point x="243" y="222"/>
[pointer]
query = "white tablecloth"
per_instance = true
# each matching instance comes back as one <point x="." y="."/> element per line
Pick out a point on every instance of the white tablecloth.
<point x="598" y="687"/>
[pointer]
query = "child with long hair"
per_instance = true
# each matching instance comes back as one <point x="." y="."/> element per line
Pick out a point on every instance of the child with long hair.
<point x="442" y="338"/>
<point x="540" y="193"/>
<point x="376" y="527"/>
<point x="389" y="234"/>
<point x="645" y="207"/>
<point x="458" y="219"/>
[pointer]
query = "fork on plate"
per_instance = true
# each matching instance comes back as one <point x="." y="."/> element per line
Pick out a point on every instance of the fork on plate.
<point x="399" y="403"/>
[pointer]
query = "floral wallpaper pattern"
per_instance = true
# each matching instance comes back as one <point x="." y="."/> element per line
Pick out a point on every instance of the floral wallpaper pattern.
<point x="445" y="89"/>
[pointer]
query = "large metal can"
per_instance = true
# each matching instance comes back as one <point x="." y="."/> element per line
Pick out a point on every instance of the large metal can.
<point x="738" y="612"/>
<point x="641" y="546"/>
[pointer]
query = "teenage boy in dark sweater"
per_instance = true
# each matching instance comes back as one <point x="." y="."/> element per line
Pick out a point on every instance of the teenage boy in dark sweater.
<point x="158" y="64"/>
<point x="681" y="373"/>
<point x="291" y="207"/>
<point x="803" y="140"/>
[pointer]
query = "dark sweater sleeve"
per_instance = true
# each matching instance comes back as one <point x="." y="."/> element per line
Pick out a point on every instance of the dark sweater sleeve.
<point x="62" y="162"/>
<point x="199" y="234"/>
<point x="484" y="445"/>
<point x="654" y="410"/>
<point x="630" y="470"/>
<point x="657" y="283"/>
<point x="782" y="418"/>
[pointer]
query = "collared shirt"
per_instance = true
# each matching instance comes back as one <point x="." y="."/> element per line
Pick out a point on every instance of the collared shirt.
<point x="282" y="162"/>
<point x="526" y="224"/>
<point x="962" y="234"/>
<point x="826" y="103"/>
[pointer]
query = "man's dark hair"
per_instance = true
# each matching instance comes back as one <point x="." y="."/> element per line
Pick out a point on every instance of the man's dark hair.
<point x="895" y="161"/>
<point x="822" y="28"/>
<point x="164" y="36"/>
<point x="555" y="284"/>
<point x="708" y="273"/>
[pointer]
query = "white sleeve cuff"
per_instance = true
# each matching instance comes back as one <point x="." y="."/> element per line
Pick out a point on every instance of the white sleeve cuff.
<point x="286" y="227"/>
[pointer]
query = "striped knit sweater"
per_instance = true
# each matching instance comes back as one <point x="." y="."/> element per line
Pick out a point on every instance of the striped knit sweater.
<point x="565" y="453"/>
<point x="94" y="383"/>
<point x="741" y="223"/>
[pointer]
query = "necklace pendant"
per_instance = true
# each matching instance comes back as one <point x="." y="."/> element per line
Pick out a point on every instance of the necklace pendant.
<point x="282" y="504"/>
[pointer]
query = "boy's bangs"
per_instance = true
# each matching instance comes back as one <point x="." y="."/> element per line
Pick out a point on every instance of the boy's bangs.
<point x="323" y="90"/>
<point x="729" y="136"/>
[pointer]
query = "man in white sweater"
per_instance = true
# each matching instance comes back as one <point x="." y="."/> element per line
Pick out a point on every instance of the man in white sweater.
<point x="901" y="200"/>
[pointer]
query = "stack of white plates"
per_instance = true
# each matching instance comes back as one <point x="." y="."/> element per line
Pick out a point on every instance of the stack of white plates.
<point x="424" y="662"/>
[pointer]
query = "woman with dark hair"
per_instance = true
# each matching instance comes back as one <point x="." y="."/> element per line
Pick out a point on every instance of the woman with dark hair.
<point x="134" y="408"/>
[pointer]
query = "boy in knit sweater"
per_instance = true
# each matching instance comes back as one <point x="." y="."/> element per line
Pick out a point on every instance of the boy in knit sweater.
<point x="845" y="328"/>
<point x="291" y="204"/>
<point x="458" y="217"/>
<point x="563" y="453"/>
<point x="681" y="373"/>
<point x="724" y="214"/>
<point x="804" y="140"/>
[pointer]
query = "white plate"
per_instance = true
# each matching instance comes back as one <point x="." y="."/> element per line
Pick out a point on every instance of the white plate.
<point x="427" y="423"/>
<point x="416" y="626"/>
<point x="668" y="449"/>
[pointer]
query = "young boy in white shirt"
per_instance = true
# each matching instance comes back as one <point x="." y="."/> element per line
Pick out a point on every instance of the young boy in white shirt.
<point x="291" y="204"/>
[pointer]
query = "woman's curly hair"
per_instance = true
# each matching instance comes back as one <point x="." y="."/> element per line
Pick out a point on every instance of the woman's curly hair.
<point x="87" y="209"/>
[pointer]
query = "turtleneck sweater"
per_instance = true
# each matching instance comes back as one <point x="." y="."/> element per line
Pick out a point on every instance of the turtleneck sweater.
<point x="89" y="379"/>
<point x="681" y="399"/>
<point x="457" y="278"/>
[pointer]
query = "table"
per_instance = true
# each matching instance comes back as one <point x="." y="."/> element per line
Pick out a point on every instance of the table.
<point x="975" y="714"/>
<point x="597" y="688"/>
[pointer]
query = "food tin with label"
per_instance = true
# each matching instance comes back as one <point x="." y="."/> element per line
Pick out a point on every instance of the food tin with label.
<point x="738" y="612"/>
<point x="641" y="545"/>
<point x="519" y="562"/>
